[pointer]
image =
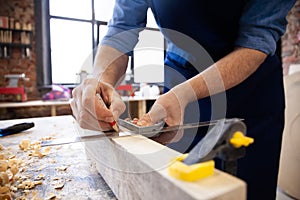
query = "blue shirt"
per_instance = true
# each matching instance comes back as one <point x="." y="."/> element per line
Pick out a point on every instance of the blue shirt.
<point x="200" y="32"/>
<point x="260" y="23"/>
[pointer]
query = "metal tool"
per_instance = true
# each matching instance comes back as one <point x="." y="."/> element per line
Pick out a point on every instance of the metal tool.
<point x="226" y="140"/>
<point x="17" y="128"/>
<point x="146" y="131"/>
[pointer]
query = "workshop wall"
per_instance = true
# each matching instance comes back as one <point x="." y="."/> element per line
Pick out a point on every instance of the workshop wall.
<point x="22" y="11"/>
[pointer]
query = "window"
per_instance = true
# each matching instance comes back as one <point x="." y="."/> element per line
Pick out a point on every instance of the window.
<point x="75" y="29"/>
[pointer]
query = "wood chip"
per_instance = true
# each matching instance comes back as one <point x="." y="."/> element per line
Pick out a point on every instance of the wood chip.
<point x="5" y="197"/>
<point x="3" y="165"/>
<point x="4" y="189"/>
<point x="50" y="196"/>
<point x="40" y="177"/>
<point x="3" y="178"/>
<point x="24" y="145"/>
<point x="62" y="168"/>
<point x="59" y="186"/>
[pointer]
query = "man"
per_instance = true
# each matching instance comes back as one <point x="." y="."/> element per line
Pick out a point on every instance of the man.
<point x="239" y="36"/>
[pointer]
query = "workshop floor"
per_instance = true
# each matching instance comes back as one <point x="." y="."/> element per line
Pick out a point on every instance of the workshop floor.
<point x="282" y="196"/>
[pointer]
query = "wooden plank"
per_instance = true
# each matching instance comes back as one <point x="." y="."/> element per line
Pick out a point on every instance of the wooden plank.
<point x="135" y="167"/>
<point x="81" y="179"/>
<point x="33" y="103"/>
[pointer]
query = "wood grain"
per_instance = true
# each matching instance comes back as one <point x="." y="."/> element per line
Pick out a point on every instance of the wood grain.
<point x="81" y="179"/>
<point x="136" y="168"/>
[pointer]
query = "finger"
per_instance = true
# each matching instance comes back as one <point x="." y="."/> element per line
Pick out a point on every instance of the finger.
<point x="95" y="105"/>
<point x="88" y="121"/>
<point x="95" y="125"/>
<point x="74" y="108"/>
<point x="76" y="102"/>
<point x="117" y="107"/>
<point x="88" y="100"/>
<point x="156" y="114"/>
<point x="86" y="116"/>
<point x="102" y="112"/>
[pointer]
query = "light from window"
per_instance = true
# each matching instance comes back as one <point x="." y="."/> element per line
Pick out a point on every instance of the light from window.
<point x="149" y="58"/>
<point x="71" y="49"/>
<point x="79" y="9"/>
<point x="104" y="9"/>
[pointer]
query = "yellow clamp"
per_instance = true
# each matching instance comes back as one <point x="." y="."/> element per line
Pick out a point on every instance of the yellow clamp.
<point x="239" y="139"/>
<point x="179" y="170"/>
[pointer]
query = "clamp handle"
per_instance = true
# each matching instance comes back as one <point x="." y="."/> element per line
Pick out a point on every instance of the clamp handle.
<point x="226" y="140"/>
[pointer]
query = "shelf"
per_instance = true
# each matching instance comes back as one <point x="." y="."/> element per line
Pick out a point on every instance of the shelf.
<point x="15" y="30"/>
<point x="17" y="45"/>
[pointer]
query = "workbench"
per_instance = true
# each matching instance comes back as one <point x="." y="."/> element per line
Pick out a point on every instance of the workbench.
<point x="133" y="167"/>
<point x="52" y="104"/>
<point x="82" y="181"/>
<point x="136" y="106"/>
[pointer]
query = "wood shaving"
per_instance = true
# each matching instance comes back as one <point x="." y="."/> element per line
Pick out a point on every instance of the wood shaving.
<point x="21" y="198"/>
<point x="17" y="177"/>
<point x="3" y="165"/>
<point x="3" y="178"/>
<point x="24" y="145"/>
<point x="62" y="168"/>
<point x="46" y="138"/>
<point x="34" y="149"/>
<point x="5" y="197"/>
<point x="50" y="196"/>
<point x="4" y="189"/>
<point x="40" y="177"/>
<point x="59" y="186"/>
<point x="10" y="168"/>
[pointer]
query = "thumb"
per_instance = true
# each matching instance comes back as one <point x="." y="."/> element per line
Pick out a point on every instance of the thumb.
<point x="117" y="107"/>
<point x="157" y="113"/>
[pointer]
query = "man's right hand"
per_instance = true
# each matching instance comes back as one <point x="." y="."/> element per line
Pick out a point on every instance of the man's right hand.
<point x="93" y="111"/>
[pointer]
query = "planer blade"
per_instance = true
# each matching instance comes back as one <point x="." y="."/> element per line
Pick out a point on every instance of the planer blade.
<point x="128" y="130"/>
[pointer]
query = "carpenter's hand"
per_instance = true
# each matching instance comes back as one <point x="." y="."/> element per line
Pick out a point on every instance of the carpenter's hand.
<point x="170" y="108"/>
<point x="90" y="111"/>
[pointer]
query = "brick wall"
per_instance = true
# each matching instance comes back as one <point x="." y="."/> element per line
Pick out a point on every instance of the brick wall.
<point x="36" y="111"/>
<point x="23" y="11"/>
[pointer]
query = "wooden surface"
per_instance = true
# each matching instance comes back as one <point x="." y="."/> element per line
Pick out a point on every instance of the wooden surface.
<point x="81" y="179"/>
<point x="136" y="105"/>
<point x="135" y="167"/>
<point x="52" y="104"/>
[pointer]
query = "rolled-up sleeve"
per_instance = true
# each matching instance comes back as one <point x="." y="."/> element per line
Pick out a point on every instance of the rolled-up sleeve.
<point x="262" y="23"/>
<point x="129" y="18"/>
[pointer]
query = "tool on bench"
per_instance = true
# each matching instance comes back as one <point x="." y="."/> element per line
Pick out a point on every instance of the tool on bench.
<point x="147" y="131"/>
<point x="226" y="141"/>
<point x="17" y="128"/>
<point x="12" y="89"/>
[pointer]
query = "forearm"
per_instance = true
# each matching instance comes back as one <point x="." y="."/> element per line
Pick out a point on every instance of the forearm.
<point x="110" y="65"/>
<point x="224" y="74"/>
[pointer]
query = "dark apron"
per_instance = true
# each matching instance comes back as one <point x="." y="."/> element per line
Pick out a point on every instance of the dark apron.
<point x="259" y="100"/>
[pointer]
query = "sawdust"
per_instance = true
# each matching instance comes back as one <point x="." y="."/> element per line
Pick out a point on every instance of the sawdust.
<point x="15" y="183"/>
